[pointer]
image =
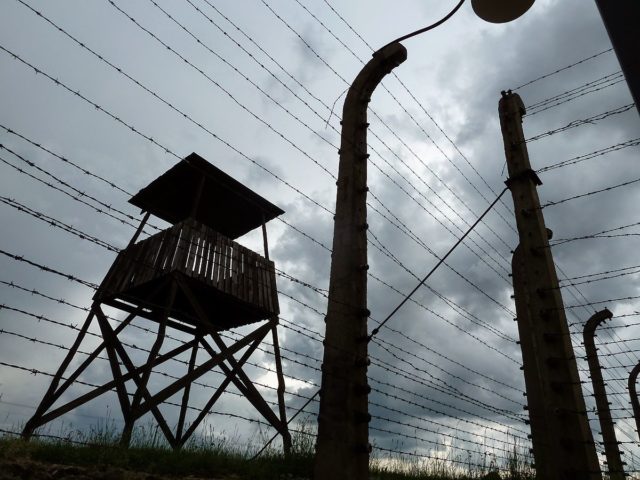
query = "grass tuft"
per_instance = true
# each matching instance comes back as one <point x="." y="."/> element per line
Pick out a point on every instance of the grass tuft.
<point x="217" y="455"/>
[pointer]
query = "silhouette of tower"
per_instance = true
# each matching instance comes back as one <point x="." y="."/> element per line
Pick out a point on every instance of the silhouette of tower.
<point x="191" y="278"/>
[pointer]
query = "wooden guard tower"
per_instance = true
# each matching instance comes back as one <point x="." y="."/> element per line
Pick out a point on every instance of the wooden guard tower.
<point x="191" y="277"/>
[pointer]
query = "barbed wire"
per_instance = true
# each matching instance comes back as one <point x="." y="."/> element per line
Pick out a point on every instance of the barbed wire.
<point x="293" y="298"/>
<point x="618" y="272"/>
<point x="35" y="371"/>
<point x="567" y="67"/>
<point x="441" y="261"/>
<point x="390" y="129"/>
<point x="594" y="192"/>
<point x="77" y="93"/>
<point x="454" y="306"/>
<point x="73" y="197"/>
<point x="293" y="187"/>
<point x="586" y="121"/>
<point x="45" y="268"/>
<point x="39" y="317"/>
<point x="403" y="228"/>
<point x="423" y="406"/>
<point x="573" y="90"/>
<point x="66" y="160"/>
<point x="57" y="223"/>
<point x="438" y="220"/>
<point x="603" y="301"/>
<point x="622" y="340"/>
<point x="602" y="234"/>
<point x="217" y="84"/>
<point x="587" y="156"/>
<point x="431" y="214"/>
<point x="578" y="92"/>
<point x="378" y="362"/>
<point x="376" y="136"/>
<point x="133" y="346"/>
<point x="442" y="387"/>
<point x="150" y="139"/>
<point x="386" y="346"/>
<point x="454" y="325"/>
<point x="318" y="312"/>
<point x="426" y="112"/>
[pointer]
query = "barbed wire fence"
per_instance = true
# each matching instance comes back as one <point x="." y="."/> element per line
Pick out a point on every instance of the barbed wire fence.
<point x="436" y="397"/>
<point x="585" y="186"/>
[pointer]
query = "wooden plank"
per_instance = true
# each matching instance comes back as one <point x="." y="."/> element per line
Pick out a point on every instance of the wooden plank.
<point x="185" y="398"/>
<point x="242" y="280"/>
<point x="267" y="286"/>
<point x="120" y="271"/>
<point x="172" y="247"/>
<point x="145" y="268"/>
<point x="274" y="292"/>
<point x="245" y="276"/>
<point x="205" y="367"/>
<point x="121" y="388"/>
<point x="259" y="284"/>
<point x="204" y="259"/>
<point x="215" y="275"/>
<point x="214" y="398"/>
<point x="193" y="251"/>
<point x="165" y="247"/>
<point x="211" y="263"/>
<point x="107" y="287"/>
<point x="271" y="276"/>
<point x="202" y="253"/>
<point x="235" y="272"/>
<point x="182" y="248"/>
<point x="249" y="273"/>
<point x="61" y="410"/>
<point x="206" y="271"/>
<point x="226" y="287"/>
<point x="198" y="266"/>
<point x="128" y="272"/>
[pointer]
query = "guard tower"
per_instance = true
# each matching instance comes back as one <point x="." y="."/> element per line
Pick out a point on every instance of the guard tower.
<point x="192" y="278"/>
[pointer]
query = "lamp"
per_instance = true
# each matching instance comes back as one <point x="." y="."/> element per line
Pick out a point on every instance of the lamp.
<point x="500" y="11"/>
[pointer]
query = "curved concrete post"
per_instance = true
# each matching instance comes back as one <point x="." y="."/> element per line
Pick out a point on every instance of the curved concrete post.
<point x="611" y="449"/>
<point x="563" y="445"/>
<point x="342" y="449"/>
<point x="633" y="377"/>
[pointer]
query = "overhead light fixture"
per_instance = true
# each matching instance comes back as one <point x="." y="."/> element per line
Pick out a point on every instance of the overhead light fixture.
<point x="500" y="11"/>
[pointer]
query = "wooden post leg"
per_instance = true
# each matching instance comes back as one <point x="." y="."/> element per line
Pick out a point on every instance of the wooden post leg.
<point x="121" y="389"/>
<point x="221" y="388"/>
<point x="185" y="398"/>
<point x="286" y="436"/>
<point x="244" y="383"/>
<point x="142" y="385"/>
<point x="50" y="396"/>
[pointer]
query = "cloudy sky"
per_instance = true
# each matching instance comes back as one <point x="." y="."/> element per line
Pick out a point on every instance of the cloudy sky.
<point x="256" y="87"/>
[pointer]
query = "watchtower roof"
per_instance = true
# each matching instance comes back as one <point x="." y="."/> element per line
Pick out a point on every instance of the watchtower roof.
<point x="222" y="203"/>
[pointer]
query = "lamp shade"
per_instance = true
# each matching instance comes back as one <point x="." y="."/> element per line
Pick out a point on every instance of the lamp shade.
<point x="500" y="11"/>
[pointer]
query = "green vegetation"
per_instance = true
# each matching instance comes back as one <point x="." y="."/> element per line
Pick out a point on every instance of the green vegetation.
<point x="220" y="457"/>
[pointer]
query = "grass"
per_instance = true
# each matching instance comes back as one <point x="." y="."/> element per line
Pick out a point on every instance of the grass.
<point x="209" y="455"/>
<point x="218" y="455"/>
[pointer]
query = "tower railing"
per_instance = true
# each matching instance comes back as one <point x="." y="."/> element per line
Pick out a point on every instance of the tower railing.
<point x="203" y="255"/>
